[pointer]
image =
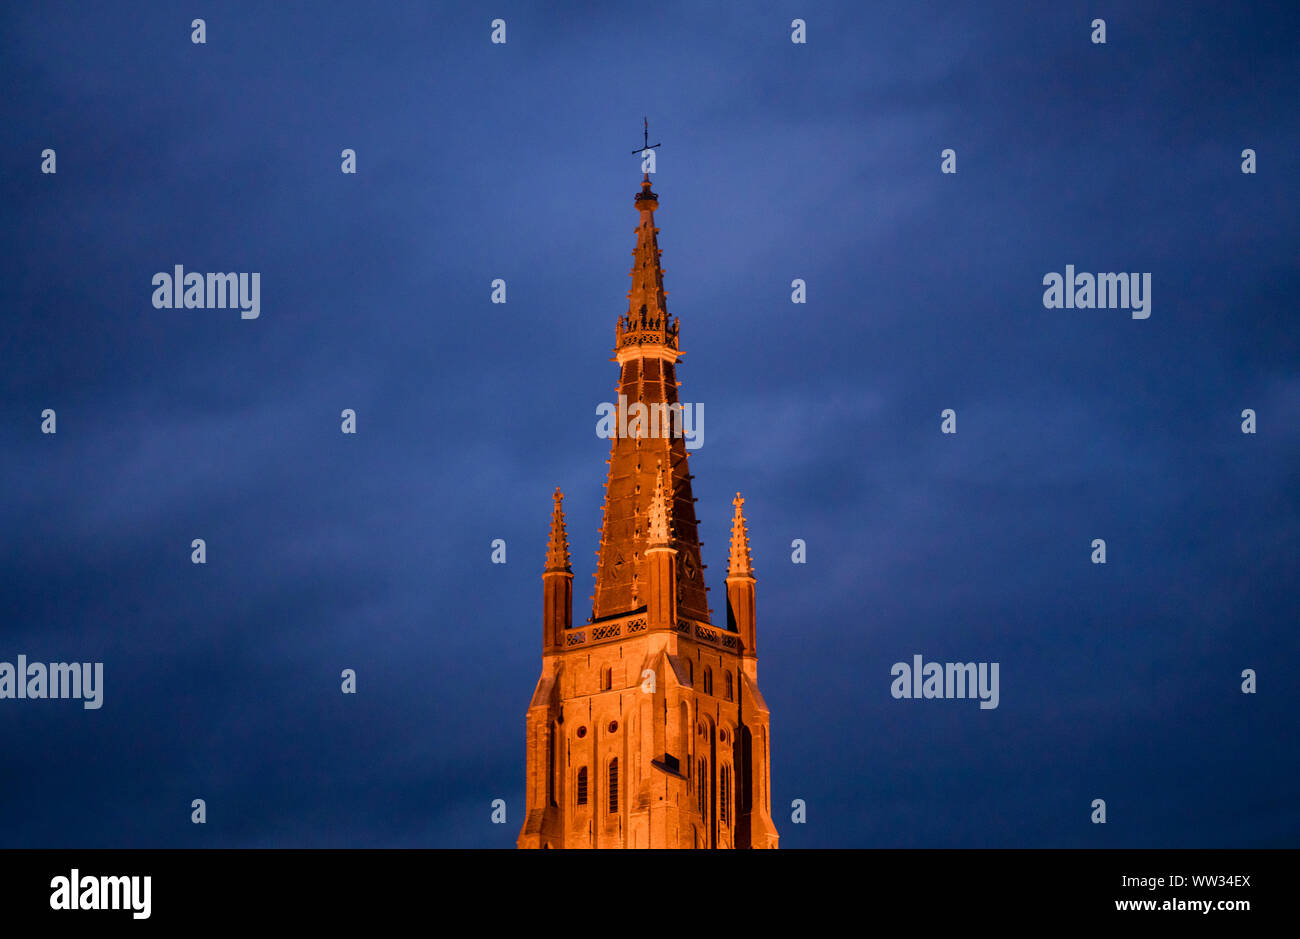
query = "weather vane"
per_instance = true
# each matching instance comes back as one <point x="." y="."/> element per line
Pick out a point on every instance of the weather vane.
<point x="646" y="134"/>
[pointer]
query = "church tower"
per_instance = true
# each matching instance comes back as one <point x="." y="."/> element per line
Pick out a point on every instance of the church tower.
<point x="647" y="728"/>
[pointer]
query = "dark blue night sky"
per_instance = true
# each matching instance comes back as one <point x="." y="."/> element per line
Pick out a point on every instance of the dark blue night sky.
<point x="779" y="161"/>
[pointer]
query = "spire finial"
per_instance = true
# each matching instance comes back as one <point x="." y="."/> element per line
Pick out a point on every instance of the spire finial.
<point x="646" y="145"/>
<point x="739" y="564"/>
<point x="557" y="548"/>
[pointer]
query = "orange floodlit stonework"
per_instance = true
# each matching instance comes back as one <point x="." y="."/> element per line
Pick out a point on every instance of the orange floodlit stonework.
<point x="647" y="728"/>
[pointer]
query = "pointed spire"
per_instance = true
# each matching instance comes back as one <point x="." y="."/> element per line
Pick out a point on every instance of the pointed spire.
<point x="739" y="564"/>
<point x="647" y="320"/>
<point x="661" y="518"/>
<point x="647" y="352"/>
<point x="557" y="549"/>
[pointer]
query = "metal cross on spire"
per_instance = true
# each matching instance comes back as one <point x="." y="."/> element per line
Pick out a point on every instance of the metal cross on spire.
<point x="646" y="134"/>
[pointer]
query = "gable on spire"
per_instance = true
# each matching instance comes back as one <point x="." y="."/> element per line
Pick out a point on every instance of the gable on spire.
<point x="660" y="511"/>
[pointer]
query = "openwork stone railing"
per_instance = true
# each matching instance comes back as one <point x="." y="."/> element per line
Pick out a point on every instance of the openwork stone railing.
<point x="604" y="632"/>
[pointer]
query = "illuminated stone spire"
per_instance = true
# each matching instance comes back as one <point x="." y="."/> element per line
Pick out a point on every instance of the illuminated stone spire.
<point x="557" y="549"/>
<point x="646" y="351"/>
<point x="739" y="564"/>
<point x="682" y="760"/>
<point x="740" y="590"/>
<point x="647" y="320"/>
<point x="557" y="583"/>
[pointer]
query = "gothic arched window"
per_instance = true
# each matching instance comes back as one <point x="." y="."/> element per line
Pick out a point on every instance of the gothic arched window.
<point x="582" y="786"/>
<point x="730" y="686"/>
<point x="613" y="785"/>
<point x="708" y="680"/>
<point x="724" y="795"/>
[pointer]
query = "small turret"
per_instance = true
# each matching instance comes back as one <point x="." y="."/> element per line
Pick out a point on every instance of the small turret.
<point x="740" y="583"/>
<point x="557" y="582"/>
